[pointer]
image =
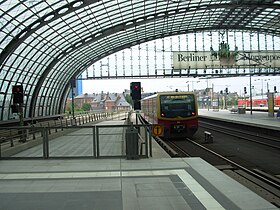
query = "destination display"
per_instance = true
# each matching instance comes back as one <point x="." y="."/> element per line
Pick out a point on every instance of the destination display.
<point x="206" y="59"/>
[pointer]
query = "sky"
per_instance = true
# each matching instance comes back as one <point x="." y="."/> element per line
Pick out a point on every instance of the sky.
<point x="234" y="84"/>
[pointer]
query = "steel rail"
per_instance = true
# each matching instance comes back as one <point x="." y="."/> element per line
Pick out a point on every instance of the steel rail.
<point x="275" y="185"/>
<point x="231" y="133"/>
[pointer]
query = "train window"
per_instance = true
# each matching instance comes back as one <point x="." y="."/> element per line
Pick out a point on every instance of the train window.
<point x="177" y="105"/>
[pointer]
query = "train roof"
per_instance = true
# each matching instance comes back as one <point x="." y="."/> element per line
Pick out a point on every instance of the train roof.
<point x="168" y="93"/>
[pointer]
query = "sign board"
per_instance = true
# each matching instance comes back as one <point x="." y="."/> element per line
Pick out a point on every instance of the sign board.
<point x="157" y="130"/>
<point x="204" y="59"/>
<point x="215" y="105"/>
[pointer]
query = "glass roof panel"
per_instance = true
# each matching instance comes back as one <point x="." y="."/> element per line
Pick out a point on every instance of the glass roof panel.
<point x="119" y="24"/>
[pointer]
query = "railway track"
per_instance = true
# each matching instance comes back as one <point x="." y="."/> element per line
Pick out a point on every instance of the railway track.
<point x="243" y="170"/>
<point x="265" y="185"/>
<point x="245" y="135"/>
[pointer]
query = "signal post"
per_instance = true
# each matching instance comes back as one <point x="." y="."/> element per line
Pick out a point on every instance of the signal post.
<point x="17" y="107"/>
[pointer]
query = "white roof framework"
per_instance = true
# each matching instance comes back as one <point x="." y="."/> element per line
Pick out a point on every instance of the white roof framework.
<point x="45" y="43"/>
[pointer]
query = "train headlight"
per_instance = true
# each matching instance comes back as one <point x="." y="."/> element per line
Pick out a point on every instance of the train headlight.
<point x="193" y="113"/>
<point x="162" y="114"/>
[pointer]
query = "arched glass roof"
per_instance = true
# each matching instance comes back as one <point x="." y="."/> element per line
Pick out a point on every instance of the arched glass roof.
<point x="45" y="43"/>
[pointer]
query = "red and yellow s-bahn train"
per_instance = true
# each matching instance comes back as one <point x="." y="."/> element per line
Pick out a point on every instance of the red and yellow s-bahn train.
<point x="176" y="111"/>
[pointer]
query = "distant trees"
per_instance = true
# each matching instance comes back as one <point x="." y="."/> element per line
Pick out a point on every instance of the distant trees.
<point x="128" y="99"/>
<point x="232" y="101"/>
<point x="86" y="107"/>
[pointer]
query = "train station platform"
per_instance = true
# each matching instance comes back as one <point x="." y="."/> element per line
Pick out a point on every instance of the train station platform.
<point x="259" y="119"/>
<point x="84" y="184"/>
<point x="157" y="182"/>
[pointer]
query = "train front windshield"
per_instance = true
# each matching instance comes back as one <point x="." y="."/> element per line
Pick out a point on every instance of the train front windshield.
<point x="177" y="105"/>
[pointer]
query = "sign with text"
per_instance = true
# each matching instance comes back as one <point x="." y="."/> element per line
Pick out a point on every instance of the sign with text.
<point x="204" y="59"/>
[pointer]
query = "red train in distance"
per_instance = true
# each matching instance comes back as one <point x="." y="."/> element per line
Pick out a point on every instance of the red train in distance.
<point x="176" y="111"/>
<point x="259" y="101"/>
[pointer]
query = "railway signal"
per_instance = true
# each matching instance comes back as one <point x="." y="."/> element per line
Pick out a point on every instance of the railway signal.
<point x="135" y="90"/>
<point x="137" y="105"/>
<point x="245" y="91"/>
<point x="226" y="91"/>
<point x="17" y="91"/>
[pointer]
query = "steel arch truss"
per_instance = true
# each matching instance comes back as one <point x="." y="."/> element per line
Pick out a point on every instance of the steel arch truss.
<point x="43" y="44"/>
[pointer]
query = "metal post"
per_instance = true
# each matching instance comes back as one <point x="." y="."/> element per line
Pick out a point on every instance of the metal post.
<point x="245" y="100"/>
<point x="97" y="143"/>
<point x="251" y="101"/>
<point x="225" y="100"/>
<point x="45" y="143"/>
<point x="267" y="87"/>
<point x="146" y="140"/>
<point x="93" y="141"/>
<point x="21" y="123"/>
<point x="72" y="88"/>
<point x="150" y="142"/>
<point x="137" y="112"/>
<point x="262" y="89"/>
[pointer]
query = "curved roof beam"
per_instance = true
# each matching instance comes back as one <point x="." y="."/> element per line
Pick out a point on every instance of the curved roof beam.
<point x="127" y="25"/>
<point x="41" y="22"/>
<point x="78" y="4"/>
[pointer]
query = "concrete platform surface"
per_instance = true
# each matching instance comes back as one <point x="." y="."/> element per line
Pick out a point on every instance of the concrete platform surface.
<point x="260" y="119"/>
<point x="83" y="184"/>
